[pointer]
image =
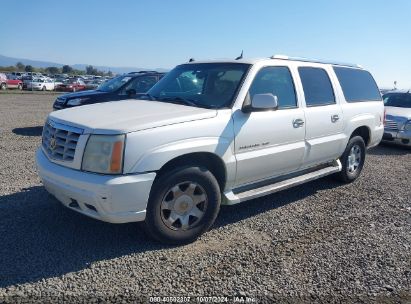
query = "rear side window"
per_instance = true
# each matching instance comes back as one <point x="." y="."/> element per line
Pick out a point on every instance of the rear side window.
<point x="357" y="85"/>
<point x="317" y="86"/>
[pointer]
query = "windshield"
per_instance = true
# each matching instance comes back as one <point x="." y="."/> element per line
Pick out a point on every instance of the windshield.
<point x="400" y="100"/>
<point x="114" y="84"/>
<point x="209" y="85"/>
<point x="68" y="81"/>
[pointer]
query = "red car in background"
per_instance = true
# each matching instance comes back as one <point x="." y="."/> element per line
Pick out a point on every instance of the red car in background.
<point x="9" y="83"/>
<point x="71" y="85"/>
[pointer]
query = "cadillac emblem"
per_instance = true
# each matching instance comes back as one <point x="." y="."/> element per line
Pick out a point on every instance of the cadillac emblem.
<point x="53" y="143"/>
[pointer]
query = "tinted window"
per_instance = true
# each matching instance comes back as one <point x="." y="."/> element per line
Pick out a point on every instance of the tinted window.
<point x="141" y="84"/>
<point x="357" y="85"/>
<point x="317" y="86"/>
<point x="277" y="81"/>
<point x="115" y="83"/>
<point x="400" y="100"/>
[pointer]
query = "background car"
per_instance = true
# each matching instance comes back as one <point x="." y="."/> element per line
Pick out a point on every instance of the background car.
<point x="397" y="123"/>
<point x="41" y="84"/>
<point x="118" y="88"/>
<point x="93" y="84"/>
<point x="71" y="85"/>
<point x="9" y="82"/>
<point x="27" y="80"/>
<point x="3" y="81"/>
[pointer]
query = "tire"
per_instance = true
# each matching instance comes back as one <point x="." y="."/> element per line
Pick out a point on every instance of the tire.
<point x="20" y="87"/>
<point x="3" y="86"/>
<point x="74" y="89"/>
<point x="43" y="88"/>
<point x="183" y="204"/>
<point x="352" y="160"/>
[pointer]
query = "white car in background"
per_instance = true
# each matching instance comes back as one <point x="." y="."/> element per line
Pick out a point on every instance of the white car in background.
<point x="41" y="84"/>
<point x="397" y="124"/>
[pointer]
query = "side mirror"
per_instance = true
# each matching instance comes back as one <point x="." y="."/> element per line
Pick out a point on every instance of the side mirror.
<point x="262" y="102"/>
<point x="131" y="92"/>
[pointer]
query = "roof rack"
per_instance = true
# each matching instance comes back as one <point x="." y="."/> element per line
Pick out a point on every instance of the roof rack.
<point x="284" y="57"/>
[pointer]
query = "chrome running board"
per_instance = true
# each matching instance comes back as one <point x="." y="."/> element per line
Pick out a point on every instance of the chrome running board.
<point x="233" y="197"/>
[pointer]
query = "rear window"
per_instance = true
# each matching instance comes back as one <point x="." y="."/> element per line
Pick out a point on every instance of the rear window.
<point x="357" y="85"/>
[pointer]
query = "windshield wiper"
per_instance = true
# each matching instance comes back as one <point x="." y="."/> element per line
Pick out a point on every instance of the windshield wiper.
<point x="150" y="97"/>
<point x="180" y="100"/>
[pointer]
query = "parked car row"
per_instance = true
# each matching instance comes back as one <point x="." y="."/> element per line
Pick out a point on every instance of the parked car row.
<point x="44" y="82"/>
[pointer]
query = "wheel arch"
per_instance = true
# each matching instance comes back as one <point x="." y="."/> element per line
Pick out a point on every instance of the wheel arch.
<point x="209" y="160"/>
<point x="364" y="132"/>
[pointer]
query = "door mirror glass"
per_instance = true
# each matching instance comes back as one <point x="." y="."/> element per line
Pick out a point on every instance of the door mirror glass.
<point x="262" y="102"/>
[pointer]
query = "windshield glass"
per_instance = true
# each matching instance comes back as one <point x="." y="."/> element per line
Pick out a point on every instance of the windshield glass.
<point x="68" y="81"/>
<point x="115" y="83"/>
<point x="400" y="100"/>
<point x="209" y="85"/>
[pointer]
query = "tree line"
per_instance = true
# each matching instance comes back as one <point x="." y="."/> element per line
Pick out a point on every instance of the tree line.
<point x="65" y="69"/>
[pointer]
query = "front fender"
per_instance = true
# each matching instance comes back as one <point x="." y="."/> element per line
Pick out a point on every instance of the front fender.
<point x="149" y="150"/>
<point x="153" y="160"/>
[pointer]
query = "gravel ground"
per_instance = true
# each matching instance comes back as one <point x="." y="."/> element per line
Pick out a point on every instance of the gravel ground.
<point x="320" y="242"/>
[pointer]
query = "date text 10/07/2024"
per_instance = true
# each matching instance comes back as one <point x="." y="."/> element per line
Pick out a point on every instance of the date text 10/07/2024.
<point x="203" y="299"/>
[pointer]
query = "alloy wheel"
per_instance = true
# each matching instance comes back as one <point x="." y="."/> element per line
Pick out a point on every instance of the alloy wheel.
<point x="183" y="206"/>
<point x="354" y="159"/>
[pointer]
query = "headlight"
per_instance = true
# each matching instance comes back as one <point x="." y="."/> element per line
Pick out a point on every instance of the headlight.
<point x="76" y="101"/>
<point x="104" y="154"/>
<point x="407" y="126"/>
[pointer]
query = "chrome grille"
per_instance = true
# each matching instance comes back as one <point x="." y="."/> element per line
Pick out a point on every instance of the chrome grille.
<point x="60" y="141"/>
<point x="391" y="125"/>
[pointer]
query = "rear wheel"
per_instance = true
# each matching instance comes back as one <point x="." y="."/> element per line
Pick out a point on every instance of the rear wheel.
<point x="3" y="86"/>
<point x="352" y="160"/>
<point x="20" y="87"/>
<point x="183" y="204"/>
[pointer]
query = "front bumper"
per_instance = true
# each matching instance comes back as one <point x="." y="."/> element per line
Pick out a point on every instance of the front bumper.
<point x="113" y="199"/>
<point x="402" y="138"/>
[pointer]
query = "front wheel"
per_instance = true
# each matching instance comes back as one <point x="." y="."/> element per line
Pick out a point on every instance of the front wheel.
<point x="43" y="89"/>
<point x="20" y="87"/>
<point x="3" y="86"/>
<point x="183" y="204"/>
<point x="352" y="160"/>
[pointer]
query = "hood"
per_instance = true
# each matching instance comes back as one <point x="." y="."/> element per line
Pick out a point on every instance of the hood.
<point x="128" y="116"/>
<point x="397" y="111"/>
<point x="82" y="94"/>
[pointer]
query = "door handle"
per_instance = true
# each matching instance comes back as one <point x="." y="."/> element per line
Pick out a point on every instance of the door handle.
<point x="335" y="118"/>
<point x="298" y="123"/>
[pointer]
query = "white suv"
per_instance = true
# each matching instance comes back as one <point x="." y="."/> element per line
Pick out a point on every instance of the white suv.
<point x="211" y="133"/>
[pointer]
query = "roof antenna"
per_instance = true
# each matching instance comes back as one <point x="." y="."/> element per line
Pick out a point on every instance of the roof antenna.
<point x="191" y="60"/>
<point x="241" y="56"/>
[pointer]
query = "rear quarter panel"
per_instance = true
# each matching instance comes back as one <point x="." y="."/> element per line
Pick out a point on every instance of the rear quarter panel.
<point x="367" y="113"/>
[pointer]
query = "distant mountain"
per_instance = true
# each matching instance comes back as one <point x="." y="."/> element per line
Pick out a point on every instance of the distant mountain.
<point x="8" y="61"/>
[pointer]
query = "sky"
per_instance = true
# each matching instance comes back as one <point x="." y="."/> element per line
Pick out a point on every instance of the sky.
<point x="164" y="33"/>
